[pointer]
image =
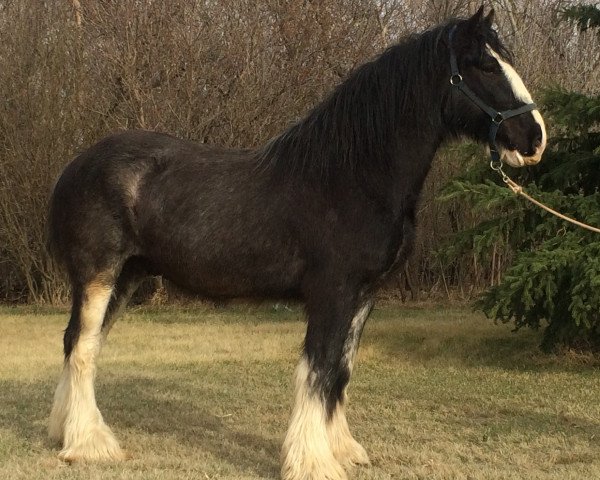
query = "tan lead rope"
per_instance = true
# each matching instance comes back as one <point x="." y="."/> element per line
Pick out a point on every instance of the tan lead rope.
<point x="518" y="189"/>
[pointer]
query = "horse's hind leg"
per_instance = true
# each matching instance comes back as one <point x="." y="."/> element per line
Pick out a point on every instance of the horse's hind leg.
<point x="132" y="274"/>
<point x="75" y="419"/>
<point x="318" y="441"/>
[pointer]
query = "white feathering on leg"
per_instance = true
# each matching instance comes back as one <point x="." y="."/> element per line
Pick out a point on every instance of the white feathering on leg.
<point x="347" y="450"/>
<point x="75" y="418"/>
<point x="306" y="453"/>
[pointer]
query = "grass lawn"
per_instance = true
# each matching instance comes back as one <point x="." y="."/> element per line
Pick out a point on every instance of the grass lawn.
<point x="204" y="393"/>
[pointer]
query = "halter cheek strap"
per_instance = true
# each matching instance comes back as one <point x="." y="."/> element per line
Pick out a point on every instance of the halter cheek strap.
<point x="497" y="117"/>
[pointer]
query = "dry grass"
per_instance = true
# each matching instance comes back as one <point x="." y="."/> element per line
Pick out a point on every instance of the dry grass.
<point x="205" y="393"/>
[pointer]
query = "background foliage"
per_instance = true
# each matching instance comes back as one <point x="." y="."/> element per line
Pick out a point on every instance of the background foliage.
<point x="73" y="71"/>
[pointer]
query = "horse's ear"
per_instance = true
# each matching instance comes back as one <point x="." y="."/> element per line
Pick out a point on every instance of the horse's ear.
<point x="489" y="19"/>
<point x="473" y="24"/>
<point x="474" y="27"/>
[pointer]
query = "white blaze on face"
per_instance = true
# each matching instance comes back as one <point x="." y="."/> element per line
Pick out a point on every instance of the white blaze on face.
<point x="513" y="157"/>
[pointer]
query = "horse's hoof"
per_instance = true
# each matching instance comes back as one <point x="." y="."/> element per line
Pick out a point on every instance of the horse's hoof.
<point x="95" y="446"/>
<point x="353" y="454"/>
<point x="55" y="434"/>
<point x="315" y="471"/>
<point x="83" y="453"/>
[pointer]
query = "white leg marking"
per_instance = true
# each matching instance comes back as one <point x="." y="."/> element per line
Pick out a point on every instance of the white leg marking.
<point x="521" y="93"/>
<point x="306" y="453"/>
<point x="353" y="338"/>
<point x="347" y="450"/>
<point x="58" y="415"/>
<point x="75" y="418"/>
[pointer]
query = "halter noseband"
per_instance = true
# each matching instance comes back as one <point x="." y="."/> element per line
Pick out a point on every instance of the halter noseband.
<point x="456" y="80"/>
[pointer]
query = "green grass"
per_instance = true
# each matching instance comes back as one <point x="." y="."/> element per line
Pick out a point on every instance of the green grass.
<point x="205" y="393"/>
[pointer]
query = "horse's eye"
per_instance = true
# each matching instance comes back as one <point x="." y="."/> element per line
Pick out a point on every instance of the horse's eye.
<point x="489" y="65"/>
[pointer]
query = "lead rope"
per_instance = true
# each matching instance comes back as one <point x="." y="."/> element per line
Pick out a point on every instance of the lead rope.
<point x="518" y="189"/>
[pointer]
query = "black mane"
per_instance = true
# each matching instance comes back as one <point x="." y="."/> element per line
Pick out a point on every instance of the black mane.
<point x="360" y="121"/>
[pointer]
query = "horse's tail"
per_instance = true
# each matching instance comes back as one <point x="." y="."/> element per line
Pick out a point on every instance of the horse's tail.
<point x="60" y="208"/>
<point x="51" y="230"/>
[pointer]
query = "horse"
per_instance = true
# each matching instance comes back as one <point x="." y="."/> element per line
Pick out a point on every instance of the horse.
<point x="323" y="213"/>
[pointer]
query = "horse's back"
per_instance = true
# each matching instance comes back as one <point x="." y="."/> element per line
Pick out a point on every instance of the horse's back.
<point x="211" y="220"/>
<point x="217" y="224"/>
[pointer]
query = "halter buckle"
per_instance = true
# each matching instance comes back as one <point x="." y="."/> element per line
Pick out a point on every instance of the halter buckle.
<point x="498" y="118"/>
<point x="455" y="79"/>
<point x="496" y="166"/>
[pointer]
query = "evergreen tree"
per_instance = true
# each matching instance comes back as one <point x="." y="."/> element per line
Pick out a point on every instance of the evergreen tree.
<point x="554" y="280"/>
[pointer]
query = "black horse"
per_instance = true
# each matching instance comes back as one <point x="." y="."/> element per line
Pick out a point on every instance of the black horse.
<point x="322" y="213"/>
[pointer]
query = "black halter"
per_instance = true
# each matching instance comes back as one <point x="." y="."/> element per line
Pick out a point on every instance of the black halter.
<point x="497" y="117"/>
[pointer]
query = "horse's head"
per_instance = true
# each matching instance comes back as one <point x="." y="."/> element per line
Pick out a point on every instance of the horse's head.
<point x="483" y="65"/>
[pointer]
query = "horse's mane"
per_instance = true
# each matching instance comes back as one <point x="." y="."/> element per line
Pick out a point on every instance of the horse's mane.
<point x="358" y="123"/>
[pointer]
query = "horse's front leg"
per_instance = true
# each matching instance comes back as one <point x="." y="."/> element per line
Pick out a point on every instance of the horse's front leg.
<point x="318" y="441"/>
<point x="345" y="449"/>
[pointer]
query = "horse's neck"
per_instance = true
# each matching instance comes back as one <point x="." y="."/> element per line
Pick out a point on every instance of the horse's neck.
<point x="413" y="153"/>
<point x="418" y="139"/>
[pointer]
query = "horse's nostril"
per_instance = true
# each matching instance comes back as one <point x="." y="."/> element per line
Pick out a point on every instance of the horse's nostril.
<point x="537" y="137"/>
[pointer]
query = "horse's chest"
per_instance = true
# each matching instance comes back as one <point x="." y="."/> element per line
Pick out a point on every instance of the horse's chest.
<point x="400" y="247"/>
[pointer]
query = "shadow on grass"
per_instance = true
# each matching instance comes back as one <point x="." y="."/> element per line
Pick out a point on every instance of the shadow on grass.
<point x="136" y="404"/>
<point x="189" y="412"/>
<point x="24" y="408"/>
<point x="496" y="346"/>
<point x="174" y="404"/>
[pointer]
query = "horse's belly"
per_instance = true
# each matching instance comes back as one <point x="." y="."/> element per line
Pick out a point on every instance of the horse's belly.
<point x="234" y="273"/>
